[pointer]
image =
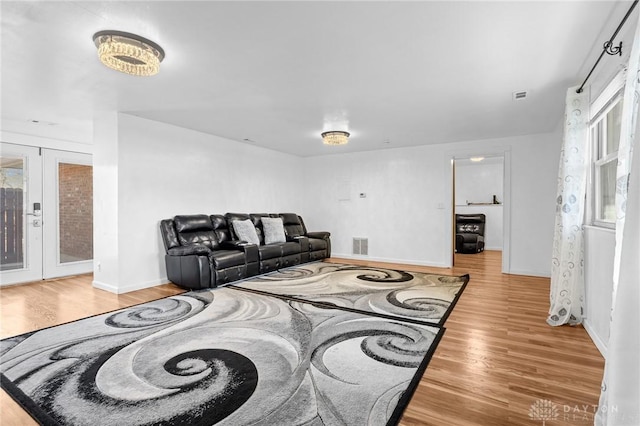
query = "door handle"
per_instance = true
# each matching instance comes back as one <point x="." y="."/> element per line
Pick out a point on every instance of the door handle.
<point x="36" y="210"/>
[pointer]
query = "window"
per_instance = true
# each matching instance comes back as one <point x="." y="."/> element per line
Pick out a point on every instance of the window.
<point x="605" y="139"/>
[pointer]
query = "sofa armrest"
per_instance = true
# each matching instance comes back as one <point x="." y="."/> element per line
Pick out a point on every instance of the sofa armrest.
<point x="189" y="271"/>
<point x="302" y="240"/>
<point x="195" y="249"/>
<point x="322" y="235"/>
<point x="234" y="245"/>
<point x="250" y="250"/>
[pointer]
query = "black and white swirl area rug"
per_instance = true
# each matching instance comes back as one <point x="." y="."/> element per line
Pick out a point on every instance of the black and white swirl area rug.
<point x="226" y="357"/>
<point x="384" y="292"/>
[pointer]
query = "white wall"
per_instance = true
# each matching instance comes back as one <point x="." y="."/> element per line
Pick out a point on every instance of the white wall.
<point x="407" y="210"/>
<point x="599" y="251"/>
<point x="534" y="177"/>
<point x="64" y="144"/>
<point x="399" y="215"/>
<point x="164" y="170"/>
<point x="479" y="182"/>
<point x="105" y="202"/>
<point x="72" y="135"/>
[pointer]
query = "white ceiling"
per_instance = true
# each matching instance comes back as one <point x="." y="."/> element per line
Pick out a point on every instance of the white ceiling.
<point x="279" y="73"/>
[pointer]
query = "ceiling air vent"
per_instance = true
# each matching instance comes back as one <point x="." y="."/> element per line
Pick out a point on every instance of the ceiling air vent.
<point x="517" y="96"/>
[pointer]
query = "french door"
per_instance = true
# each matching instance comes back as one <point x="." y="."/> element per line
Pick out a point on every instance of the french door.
<point x="46" y="220"/>
<point x="20" y="214"/>
<point x="67" y="213"/>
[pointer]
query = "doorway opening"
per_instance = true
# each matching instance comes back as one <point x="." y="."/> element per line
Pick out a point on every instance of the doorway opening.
<point x="480" y="205"/>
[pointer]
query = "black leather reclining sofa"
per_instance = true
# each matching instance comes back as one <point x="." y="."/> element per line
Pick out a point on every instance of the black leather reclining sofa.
<point x="204" y="251"/>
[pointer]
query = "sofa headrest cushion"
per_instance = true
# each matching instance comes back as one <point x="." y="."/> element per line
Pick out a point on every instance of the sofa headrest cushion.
<point x="292" y="225"/>
<point x="218" y="221"/>
<point x="470" y="218"/>
<point x="256" y="218"/>
<point x="236" y="216"/>
<point x="290" y="219"/>
<point x="191" y="223"/>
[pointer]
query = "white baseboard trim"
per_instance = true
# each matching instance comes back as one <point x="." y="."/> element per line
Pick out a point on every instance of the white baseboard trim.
<point x="530" y="273"/>
<point x="597" y="340"/>
<point x="389" y="260"/>
<point x="128" y="288"/>
<point x="497" y="248"/>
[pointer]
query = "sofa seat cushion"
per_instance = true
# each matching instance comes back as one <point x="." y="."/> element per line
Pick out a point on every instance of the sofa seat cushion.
<point x="291" y="260"/>
<point x="317" y="244"/>
<point x="270" y="251"/>
<point x="290" y="248"/>
<point x="227" y="258"/>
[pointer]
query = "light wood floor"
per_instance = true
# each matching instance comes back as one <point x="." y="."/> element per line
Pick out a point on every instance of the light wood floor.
<point x="497" y="357"/>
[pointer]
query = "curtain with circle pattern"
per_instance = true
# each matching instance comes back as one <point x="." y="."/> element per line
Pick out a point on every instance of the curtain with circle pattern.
<point x="567" y="268"/>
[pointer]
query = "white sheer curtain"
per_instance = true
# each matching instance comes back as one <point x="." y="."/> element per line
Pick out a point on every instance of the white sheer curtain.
<point x="620" y="397"/>
<point x="567" y="268"/>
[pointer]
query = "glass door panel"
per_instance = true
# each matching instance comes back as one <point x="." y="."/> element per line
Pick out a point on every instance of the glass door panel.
<point x="75" y="212"/>
<point x="20" y="220"/>
<point x="12" y="208"/>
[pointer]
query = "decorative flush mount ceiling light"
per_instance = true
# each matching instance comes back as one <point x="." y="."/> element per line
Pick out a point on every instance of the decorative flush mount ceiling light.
<point x="335" y="137"/>
<point x="476" y="159"/>
<point x="128" y="53"/>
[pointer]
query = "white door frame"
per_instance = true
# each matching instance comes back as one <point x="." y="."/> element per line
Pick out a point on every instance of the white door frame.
<point x="52" y="265"/>
<point x="450" y="157"/>
<point x="32" y="221"/>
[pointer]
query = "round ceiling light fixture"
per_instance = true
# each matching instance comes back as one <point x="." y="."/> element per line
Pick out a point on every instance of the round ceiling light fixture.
<point x="335" y="137"/>
<point x="128" y="53"/>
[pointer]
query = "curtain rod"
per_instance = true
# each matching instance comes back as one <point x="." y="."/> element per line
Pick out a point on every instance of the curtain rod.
<point x="608" y="46"/>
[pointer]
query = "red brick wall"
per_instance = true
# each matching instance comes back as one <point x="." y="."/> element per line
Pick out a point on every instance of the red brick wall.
<point x="75" y="212"/>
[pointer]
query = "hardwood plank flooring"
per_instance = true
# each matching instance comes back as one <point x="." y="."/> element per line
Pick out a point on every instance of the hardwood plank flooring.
<point x="497" y="357"/>
<point x="42" y="304"/>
